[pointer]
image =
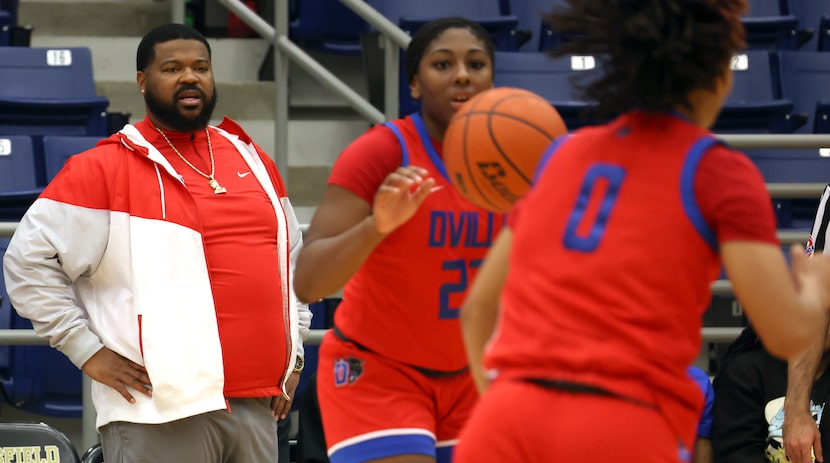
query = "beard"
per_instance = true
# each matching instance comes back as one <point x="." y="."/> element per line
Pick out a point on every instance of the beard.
<point x="169" y="113"/>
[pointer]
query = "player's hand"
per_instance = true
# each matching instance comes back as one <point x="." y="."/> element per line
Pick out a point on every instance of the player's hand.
<point x="399" y="196"/>
<point x="119" y="373"/>
<point x="281" y="405"/>
<point x="801" y="436"/>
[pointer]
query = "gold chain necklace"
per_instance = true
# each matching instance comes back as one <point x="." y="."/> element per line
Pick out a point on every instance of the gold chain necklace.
<point x="217" y="188"/>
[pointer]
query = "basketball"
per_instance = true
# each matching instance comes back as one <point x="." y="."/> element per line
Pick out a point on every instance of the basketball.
<point x="494" y="143"/>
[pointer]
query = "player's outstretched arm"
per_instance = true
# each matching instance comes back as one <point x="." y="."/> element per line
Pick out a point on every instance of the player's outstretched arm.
<point x="786" y="308"/>
<point x="480" y="310"/>
<point x="345" y="229"/>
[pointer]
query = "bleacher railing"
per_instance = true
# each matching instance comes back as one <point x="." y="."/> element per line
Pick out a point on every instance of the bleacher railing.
<point x="393" y="39"/>
<point x="709" y="334"/>
<point x="285" y="49"/>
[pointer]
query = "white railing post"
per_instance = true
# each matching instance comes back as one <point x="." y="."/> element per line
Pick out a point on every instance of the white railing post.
<point x="177" y="11"/>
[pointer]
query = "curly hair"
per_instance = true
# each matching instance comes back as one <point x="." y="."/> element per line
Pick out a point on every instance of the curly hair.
<point x="653" y="53"/>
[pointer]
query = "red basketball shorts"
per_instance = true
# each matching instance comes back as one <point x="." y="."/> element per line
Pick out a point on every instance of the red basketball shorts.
<point x="519" y="421"/>
<point x="374" y="407"/>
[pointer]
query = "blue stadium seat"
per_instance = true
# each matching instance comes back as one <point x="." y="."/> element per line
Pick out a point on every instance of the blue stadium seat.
<point x="805" y="80"/>
<point x="792" y="166"/>
<point x="58" y="148"/>
<point x="12" y="33"/>
<point x="328" y="26"/>
<point x="769" y="27"/>
<point x="18" y="180"/>
<point x="11" y="7"/>
<point x="5" y="28"/>
<point x="40" y="379"/>
<point x="754" y="104"/>
<point x="51" y="444"/>
<point x="824" y="34"/>
<point x="323" y="318"/>
<point x="17" y="163"/>
<point x="49" y="92"/>
<point x="811" y="14"/>
<point x="552" y="79"/>
<point x="502" y="29"/>
<point x="822" y="124"/>
<point x="530" y="14"/>
<point x="395" y="10"/>
<point x="37" y="379"/>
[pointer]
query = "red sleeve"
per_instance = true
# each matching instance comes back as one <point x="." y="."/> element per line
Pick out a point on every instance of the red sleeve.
<point x="366" y="162"/>
<point x="733" y="197"/>
<point x="273" y="172"/>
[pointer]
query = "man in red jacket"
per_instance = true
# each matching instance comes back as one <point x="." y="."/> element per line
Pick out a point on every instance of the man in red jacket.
<point x="160" y="262"/>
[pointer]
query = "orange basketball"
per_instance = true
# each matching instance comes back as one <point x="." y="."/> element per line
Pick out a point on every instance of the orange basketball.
<point x="494" y="142"/>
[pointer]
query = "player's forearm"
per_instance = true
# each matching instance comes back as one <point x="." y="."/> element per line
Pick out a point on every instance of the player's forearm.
<point x="801" y="371"/>
<point x="481" y="307"/>
<point x="326" y="264"/>
<point x="477" y="325"/>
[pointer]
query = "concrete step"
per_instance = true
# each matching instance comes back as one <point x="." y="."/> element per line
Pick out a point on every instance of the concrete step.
<point x="113" y="58"/>
<point x="104" y="18"/>
<point x="234" y="60"/>
<point x="241" y="101"/>
<point x="236" y="64"/>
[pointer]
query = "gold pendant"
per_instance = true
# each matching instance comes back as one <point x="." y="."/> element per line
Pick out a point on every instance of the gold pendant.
<point x="217" y="188"/>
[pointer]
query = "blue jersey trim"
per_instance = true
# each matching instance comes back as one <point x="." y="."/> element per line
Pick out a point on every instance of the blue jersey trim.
<point x="687" y="190"/>
<point x="384" y="447"/>
<point x="543" y="162"/>
<point x="399" y="136"/>
<point x="426" y="141"/>
<point x="704" y="426"/>
<point x="444" y="454"/>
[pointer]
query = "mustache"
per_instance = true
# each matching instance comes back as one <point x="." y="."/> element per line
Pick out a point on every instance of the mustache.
<point x="190" y="87"/>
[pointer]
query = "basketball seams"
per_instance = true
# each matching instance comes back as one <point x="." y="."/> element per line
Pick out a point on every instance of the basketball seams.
<point x="487" y="170"/>
<point x="518" y="119"/>
<point x="490" y="116"/>
<point x="513" y="116"/>
<point x="492" y="112"/>
<point x="471" y="177"/>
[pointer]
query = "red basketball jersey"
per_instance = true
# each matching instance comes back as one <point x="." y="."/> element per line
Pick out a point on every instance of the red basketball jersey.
<point x="403" y="301"/>
<point x="612" y="263"/>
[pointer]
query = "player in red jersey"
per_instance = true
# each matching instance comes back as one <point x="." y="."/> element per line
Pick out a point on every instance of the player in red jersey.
<point x="393" y="382"/>
<point x="587" y="311"/>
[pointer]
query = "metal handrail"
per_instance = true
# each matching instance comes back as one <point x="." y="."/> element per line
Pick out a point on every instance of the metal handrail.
<point x="379" y="22"/>
<point x="777" y="140"/>
<point x="304" y="60"/>
<point x="328" y="80"/>
<point x="284" y="50"/>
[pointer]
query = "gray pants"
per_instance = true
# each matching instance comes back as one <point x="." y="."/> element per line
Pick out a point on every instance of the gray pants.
<point x="246" y="435"/>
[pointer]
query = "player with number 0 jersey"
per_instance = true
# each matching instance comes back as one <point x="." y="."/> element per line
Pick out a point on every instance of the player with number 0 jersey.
<point x="587" y="310"/>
